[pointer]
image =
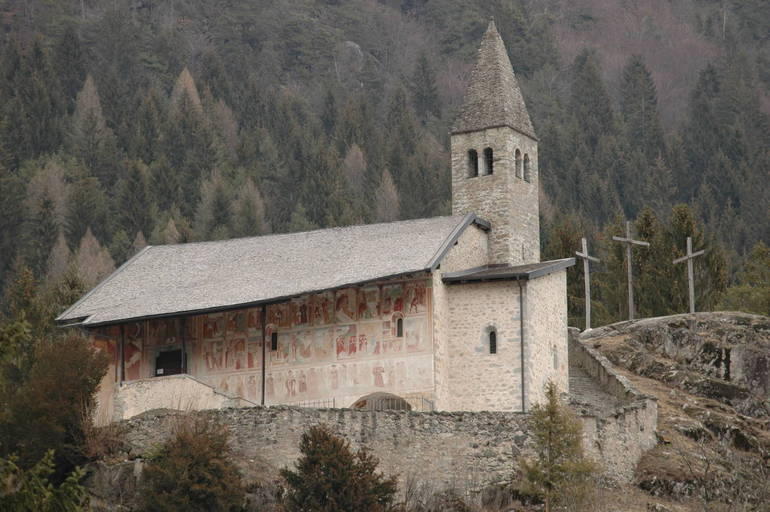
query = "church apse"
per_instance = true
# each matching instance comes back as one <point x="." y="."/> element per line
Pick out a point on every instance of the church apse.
<point x="331" y="347"/>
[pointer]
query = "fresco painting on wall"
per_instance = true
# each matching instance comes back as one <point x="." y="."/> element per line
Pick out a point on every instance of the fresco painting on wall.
<point x="392" y="300"/>
<point x="368" y="303"/>
<point x="301" y="384"/>
<point x="414" y="335"/>
<point x="322" y="308"/>
<point x="346" y="341"/>
<point x="254" y="321"/>
<point x="332" y="343"/>
<point x="345" y="306"/>
<point x="132" y="351"/>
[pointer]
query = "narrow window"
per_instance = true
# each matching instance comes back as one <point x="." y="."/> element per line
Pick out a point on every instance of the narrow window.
<point x="473" y="163"/>
<point x="518" y="163"/>
<point x="527" y="172"/>
<point x="400" y="328"/>
<point x="274" y="341"/>
<point x="488" y="161"/>
<point x="493" y="342"/>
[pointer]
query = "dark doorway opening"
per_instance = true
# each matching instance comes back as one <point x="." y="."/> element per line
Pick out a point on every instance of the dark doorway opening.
<point x="168" y="362"/>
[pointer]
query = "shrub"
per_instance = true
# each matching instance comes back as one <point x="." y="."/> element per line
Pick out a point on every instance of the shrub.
<point x="561" y="471"/>
<point x="193" y="471"/>
<point x="47" y="410"/>
<point x="329" y="477"/>
<point x="32" y="490"/>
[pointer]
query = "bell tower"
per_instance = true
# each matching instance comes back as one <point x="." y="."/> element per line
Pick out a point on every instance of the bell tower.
<point x="494" y="157"/>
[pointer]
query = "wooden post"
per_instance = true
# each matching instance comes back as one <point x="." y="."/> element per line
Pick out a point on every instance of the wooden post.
<point x="182" y="325"/>
<point x="690" y="271"/>
<point x="121" y="351"/>
<point x="264" y="343"/>
<point x="587" y="277"/>
<point x="629" y="242"/>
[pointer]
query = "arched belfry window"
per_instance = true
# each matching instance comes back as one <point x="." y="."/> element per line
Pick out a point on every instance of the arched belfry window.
<point x="493" y="341"/>
<point x="489" y="161"/>
<point x="400" y="328"/>
<point x="473" y="163"/>
<point x="518" y="163"/>
<point x="527" y="170"/>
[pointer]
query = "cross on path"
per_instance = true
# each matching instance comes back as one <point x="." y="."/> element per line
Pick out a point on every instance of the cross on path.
<point x="587" y="276"/>
<point x="690" y="274"/>
<point x="629" y="242"/>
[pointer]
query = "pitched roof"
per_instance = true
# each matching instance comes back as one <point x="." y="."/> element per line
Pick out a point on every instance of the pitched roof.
<point x="493" y="97"/>
<point x="504" y="271"/>
<point x="170" y="280"/>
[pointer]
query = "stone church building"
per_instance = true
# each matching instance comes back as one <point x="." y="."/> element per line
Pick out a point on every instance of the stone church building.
<point x="446" y="313"/>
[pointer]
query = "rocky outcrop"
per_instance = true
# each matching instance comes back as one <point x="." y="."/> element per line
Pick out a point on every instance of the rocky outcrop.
<point x="709" y="373"/>
<point x="724" y="356"/>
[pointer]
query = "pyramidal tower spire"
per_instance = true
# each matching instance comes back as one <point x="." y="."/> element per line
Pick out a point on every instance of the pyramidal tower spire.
<point x="493" y="97"/>
<point x="494" y="157"/>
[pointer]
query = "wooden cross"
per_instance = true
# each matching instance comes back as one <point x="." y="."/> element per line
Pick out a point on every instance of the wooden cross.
<point x="690" y="274"/>
<point x="587" y="276"/>
<point x="629" y="243"/>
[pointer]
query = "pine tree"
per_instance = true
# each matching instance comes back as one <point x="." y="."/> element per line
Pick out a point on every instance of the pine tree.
<point x="424" y="89"/>
<point x="43" y="232"/>
<point x="639" y="109"/>
<point x="146" y="141"/>
<point x="589" y="101"/>
<point x="134" y="203"/>
<point x="70" y="65"/>
<point x="322" y="476"/>
<point x="299" y="220"/>
<point x="249" y="215"/>
<point x="92" y="261"/>
<point x="90" y="139"/>
<point x="751" y="293"/>
<point x="561" y="473"/>
<point x="213" y="215"/>
<point x="59" y="259"/>
<point x="386" y="208"/>
<point x="86" y="208"/>
<point x="710" y="269"/>
<point x="12" y="212"/>
<point x="185" y="93"/>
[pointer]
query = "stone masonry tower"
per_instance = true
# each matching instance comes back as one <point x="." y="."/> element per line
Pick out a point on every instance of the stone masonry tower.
<point x="494" y="157"/>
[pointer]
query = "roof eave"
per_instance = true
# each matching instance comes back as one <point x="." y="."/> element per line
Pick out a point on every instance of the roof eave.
<point x="470" y="218"/>
<point x="230" y="307"/>
<point x="62" y="318"/>
<point x="531" y="135"/>
<point x="467" y="276"/>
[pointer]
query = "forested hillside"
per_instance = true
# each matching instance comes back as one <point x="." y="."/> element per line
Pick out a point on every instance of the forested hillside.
<point x="128" y="122"/>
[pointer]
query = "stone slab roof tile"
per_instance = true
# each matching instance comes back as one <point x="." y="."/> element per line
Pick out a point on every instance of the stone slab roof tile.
<point x="505" y="271"/>
<point x="209" y="276"/>
<point x="493" y="97"/>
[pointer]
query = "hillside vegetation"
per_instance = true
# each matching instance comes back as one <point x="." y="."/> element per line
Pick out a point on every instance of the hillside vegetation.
<point x="132" y="122"/>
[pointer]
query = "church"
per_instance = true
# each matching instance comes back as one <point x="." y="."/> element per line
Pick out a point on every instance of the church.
<point x="452" y="313"/>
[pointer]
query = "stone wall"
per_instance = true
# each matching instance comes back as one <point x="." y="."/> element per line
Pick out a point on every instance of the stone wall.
<point x="506" y="200"/>
<point x="471" y="250"/>
<point x="479" y="380"/>
<point x="628" y="430"/>
<point x="545" y="336"/>
<point x="180" y="392"/>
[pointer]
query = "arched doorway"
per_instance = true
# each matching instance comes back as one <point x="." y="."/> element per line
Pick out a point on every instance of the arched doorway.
<point x="382" y="402"/>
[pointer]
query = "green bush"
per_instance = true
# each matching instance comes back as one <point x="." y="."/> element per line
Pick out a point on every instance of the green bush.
<point x="561" y="471"/>
<point x="32" y="490"/>
<point x="52" y="405"/>
<point x="329" y="477"/>
<point x="193" y="471"/>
